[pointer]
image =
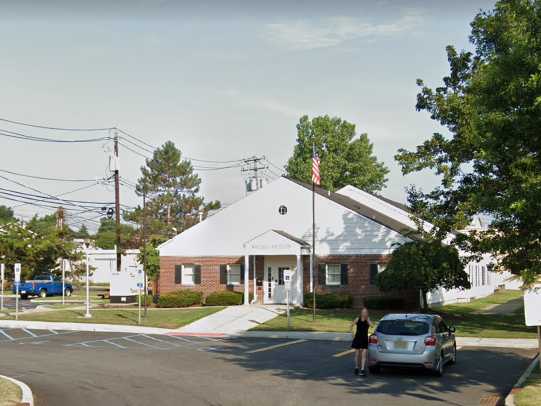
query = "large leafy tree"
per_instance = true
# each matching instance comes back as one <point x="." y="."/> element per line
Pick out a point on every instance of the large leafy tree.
<point x="172" y="192"/>
<point x="6" y="214"/>
<point x="424" y="265"/>
<point x="346" y="159"/>
<point x="38" y="246"/>
<point x="106" y="235"/>
<point x="489" y="157"/>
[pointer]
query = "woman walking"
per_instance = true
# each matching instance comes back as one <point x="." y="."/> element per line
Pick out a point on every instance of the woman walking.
<point x="360" y="341"/>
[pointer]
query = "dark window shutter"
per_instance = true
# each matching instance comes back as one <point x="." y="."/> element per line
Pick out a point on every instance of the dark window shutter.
<point x="241" y="273"/>
<point x="223" y="274"/>
<point x="178" y="274"/>
<point x="281" y="276"/>
<point x="260" y="275"/>
<point x="343" y="274"/>
<point x="321" y="275"/>
<point x="197" y="274"/>
<point x="373" y="273"/>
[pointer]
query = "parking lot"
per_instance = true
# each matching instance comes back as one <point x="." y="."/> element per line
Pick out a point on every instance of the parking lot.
<point x="85" y="368"/>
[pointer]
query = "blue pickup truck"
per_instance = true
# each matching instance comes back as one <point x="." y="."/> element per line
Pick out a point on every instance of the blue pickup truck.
<point x="43" y="286"/>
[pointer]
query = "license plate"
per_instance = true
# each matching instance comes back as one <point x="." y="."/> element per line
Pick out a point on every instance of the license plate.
<point x="400" y="345"/>
<point x="23" y="291"/>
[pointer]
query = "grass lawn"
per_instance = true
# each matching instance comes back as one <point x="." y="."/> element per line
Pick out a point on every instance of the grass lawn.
<point x="10" y="394"/>
<point x="530" y="395"/>
<point x="164" y="318"/>
<point x="335" y="320"/>
<point x="470" y="323"/>
<point x="463" y="316"/>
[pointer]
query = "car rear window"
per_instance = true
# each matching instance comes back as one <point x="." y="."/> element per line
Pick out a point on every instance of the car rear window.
<point x="403" y="327"/>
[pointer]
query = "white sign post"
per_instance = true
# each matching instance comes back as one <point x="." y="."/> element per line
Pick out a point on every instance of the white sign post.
<point x="87" y="314"/>
<point x="139" y="286"/>
<point x="288" y="274"/>
<point x="17" y="272"/>
<point x="532" y="311"/>
<point x="63" y="281"/>
<point x="2" y="276"/>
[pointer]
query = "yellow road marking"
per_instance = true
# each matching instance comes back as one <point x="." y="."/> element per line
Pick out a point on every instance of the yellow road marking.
<point x="341" y="354"/>
<point x="272" y="347"/>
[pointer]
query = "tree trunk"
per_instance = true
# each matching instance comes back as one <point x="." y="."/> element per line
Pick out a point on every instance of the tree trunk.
<point x="424" y="304"/>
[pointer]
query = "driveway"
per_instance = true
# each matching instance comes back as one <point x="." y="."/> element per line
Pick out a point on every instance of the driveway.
<point x="83" y="368"/>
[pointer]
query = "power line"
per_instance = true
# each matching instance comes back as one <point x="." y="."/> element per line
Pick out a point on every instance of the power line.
<point x="135" y="138"/>
<point x="46" y="178"/>
<point x="55" y="128"/>
<point x="21" y="136"/>
<point x="69" y="192"/>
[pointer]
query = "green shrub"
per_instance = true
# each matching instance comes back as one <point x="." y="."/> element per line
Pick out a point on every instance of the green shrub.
<point x="180" y="298"/>
<point x="225" y="298"/>
<point x="384" y="303"/>
<point x="329" y="300"/>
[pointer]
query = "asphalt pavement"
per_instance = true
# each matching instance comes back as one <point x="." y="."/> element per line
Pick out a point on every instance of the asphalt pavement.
<point x="85" y="368"/>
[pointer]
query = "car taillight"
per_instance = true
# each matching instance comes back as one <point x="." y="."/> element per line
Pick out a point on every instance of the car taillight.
<point x="373" y="339"/>
<point x="431" y="341"/>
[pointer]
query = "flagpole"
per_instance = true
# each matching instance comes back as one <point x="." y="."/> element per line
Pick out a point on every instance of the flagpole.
<point x="313" y="262"/>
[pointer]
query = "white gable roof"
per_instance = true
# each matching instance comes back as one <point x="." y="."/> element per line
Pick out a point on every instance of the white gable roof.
<point x="382" y="206"/>
<point x="339" y="230"/>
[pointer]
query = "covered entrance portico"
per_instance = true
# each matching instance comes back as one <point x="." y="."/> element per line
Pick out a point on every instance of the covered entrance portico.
<point x="280" y="252"/>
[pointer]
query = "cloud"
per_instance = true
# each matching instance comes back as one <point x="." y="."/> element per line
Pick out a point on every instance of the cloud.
<point x="330" y="32"/>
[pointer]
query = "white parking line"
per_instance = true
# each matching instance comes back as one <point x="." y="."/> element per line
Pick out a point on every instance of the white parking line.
<point x="29" y="332"/>
<point x="6" y="335"/>
<point x="114" y="344"/>
<point x="185" y="340"/>
<point x="141" y="343"/>
<point x="161" y="341"/>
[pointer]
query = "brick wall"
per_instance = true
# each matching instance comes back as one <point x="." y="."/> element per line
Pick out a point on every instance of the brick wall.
<point x="210" y="274"/>
<point x="358" y="276"/>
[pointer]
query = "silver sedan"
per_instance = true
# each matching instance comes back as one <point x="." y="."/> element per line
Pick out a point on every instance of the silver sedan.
<point x="412" y="340"/>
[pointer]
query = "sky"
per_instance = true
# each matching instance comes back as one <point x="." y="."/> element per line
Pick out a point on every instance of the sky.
<point x="222" y="80"/>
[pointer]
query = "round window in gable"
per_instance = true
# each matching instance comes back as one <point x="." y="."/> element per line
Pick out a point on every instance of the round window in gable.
<point x="282" y="210"/>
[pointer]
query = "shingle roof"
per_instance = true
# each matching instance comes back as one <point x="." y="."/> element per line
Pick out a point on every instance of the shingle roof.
<point x="362" y="209"/>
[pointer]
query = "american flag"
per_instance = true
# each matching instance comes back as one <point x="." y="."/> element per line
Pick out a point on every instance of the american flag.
<point x="316" y="177"/>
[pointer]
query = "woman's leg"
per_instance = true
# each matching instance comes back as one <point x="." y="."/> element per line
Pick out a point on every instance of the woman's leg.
<point x="364" y="353"/>
<point x="357" y="358"/>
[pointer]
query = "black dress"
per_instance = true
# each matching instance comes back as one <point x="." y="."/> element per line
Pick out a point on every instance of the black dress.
<point x="360" y="341"/>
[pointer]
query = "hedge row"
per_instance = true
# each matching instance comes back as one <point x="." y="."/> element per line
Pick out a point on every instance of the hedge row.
<point x="180" y="298"/>
<point x="329" y="300"/>
<point x="384" y="303"/>
<point x="186" y="298"/>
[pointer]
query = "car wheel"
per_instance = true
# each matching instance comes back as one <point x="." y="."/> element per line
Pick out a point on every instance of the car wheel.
<point x="24" y="297"/>
<point x="374" y="369"/>
<point x="43" y="293"/>
<point x="68" y="292"/>
<point x="438" y="371"/>
<point x="453" y="356"/>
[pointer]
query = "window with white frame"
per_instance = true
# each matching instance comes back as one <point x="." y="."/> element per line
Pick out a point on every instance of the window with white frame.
<point x="333" y="275"/>
<point x="187" y="275"/>
<point x="233" y="274"/>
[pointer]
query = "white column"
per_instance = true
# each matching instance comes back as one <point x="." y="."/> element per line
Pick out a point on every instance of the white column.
<point x="246" y="279"/>
<point x="300" y="277"/>
<point x="254" y="262"/>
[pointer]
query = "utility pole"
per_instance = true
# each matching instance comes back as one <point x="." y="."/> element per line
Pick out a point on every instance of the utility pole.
<point x="253" y="166"/>
<point x="117" y="204"/>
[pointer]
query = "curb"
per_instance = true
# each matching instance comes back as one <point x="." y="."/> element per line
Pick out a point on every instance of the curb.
<point x="27" y="398"/>
<point x="510" y="399"/>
